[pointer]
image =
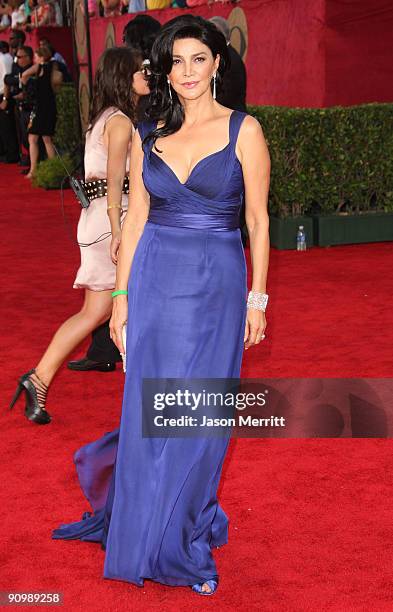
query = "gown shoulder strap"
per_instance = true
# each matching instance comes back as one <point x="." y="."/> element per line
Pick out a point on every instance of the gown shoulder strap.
<point x="144" y="127"/>
<point x="236" y="120"/>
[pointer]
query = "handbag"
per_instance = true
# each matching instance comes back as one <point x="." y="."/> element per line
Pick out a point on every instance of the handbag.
<point x="75" y="184"/>
<point x="78" y="189"/>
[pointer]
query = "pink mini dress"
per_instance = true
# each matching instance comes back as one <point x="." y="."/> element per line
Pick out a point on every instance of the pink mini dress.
<point x="97" y="271"/>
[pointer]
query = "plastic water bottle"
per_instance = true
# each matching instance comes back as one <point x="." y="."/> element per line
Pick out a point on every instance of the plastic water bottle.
<point x="301" y="239"/>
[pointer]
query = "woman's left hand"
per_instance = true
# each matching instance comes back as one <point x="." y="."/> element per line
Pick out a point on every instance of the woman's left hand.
<point x="255" y="327"/>
<point x="114" y="248"/>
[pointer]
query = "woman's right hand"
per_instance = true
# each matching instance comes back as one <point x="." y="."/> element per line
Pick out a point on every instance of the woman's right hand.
<point x="118" y="320"/>
<point x="114" y="248"/>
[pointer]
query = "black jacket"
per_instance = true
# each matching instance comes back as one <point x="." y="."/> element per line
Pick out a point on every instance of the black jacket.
<point x="232" y="92"/>
<point x="12" y="81"/>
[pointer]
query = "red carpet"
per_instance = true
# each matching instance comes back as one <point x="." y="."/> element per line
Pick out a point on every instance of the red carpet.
<point x="311" y="521"/>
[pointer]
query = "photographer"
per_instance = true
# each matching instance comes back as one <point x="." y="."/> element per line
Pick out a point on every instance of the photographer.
<point x="5" y="63"/>
<point x="17" y="100"/>
<point x="9" y="117"/>
<point x="8" y="131"/>
<point x="5" y="68"/>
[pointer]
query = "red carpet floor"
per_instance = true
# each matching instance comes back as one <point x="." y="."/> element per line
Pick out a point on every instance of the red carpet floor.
<point x="311" y="521"/>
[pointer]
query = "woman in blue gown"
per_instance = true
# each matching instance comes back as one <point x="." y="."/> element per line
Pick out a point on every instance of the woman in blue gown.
<point x="181" y="259"/>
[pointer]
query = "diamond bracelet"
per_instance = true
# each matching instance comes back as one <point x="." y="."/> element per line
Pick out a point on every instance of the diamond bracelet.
<point x="257" y="300"/>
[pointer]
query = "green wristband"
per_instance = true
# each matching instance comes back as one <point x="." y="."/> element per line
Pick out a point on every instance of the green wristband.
<point x="119" y="292"/>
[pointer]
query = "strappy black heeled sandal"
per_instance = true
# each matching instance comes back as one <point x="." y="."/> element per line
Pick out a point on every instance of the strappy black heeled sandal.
<point x="35" y="393"/>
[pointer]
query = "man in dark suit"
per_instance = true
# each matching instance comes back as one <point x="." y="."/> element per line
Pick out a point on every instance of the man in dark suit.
<point x="10" y="118"/>
<point x="234" y="86"/>
<point x="19" y="96"/>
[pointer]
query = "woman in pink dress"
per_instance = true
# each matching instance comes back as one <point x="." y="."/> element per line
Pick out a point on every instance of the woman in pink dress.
<point x="119" y="82"/>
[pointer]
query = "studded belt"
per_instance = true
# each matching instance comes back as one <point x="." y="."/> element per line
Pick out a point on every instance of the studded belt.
<point x="99" y="188"/>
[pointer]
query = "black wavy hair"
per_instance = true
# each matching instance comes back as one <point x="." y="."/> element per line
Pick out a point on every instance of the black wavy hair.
<point x="112" y="83"/>
<point x="161" y="60"/>
<point x="140" y="33"/>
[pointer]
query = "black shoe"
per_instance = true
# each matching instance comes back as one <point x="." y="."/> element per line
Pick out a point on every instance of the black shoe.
<point x="35" y="393"/>
<point x="86" y="365"/>
<point x="25" y="171"/>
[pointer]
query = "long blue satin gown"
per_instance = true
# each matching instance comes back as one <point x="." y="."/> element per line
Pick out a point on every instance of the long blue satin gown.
<point x="154" y="500"/>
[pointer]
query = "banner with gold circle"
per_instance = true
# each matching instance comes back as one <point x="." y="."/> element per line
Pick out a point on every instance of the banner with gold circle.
<point x="80" y="29"/>
<point x="84" y="97"/>
<point x="81" y="42"/>
<point x="110" y="36"/>
<point x="237" y="21"/>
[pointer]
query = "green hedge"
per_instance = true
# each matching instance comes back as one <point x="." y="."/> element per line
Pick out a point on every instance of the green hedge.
<point x="50" y="172"/>
<point x="67" y="136"/>
<point x="330" y="160"/>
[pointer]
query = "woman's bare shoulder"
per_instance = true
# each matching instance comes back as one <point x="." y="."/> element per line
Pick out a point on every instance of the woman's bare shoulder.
<point x="117" y="122"/>
<point x="116" y="116"/>
<point x="250" y="127"/>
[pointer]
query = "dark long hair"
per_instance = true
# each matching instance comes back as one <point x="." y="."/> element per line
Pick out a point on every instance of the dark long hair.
<point x="112" y="83"/>
<point x="161" y="61"/>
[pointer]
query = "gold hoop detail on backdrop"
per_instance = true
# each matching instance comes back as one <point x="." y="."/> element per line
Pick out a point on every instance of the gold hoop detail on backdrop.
<point x="80" y="29"/>
<point x="110" y="38"/>
<point x="237" y="21"/>
<point x="84" y="98"/>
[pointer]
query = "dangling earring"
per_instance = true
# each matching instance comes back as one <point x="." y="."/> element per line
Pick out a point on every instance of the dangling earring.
<point x="170" y="91"/>
<point x="214" y="85"/>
